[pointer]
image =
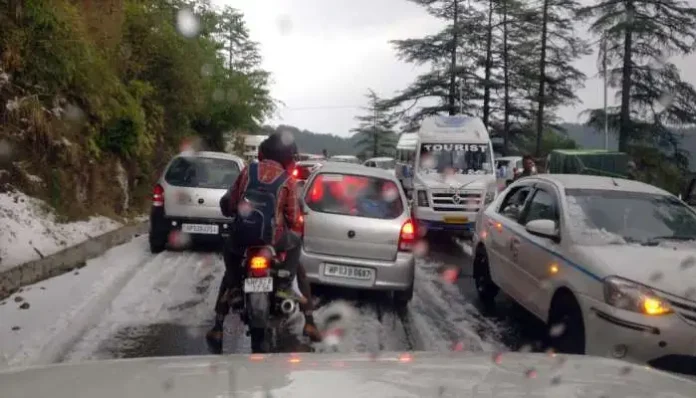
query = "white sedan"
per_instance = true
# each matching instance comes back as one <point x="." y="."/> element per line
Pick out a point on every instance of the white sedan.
<point x="607" y="263"/>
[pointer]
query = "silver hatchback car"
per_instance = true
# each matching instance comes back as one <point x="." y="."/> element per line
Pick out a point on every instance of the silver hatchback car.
<point x="187" y="196"/>
<point x="358" y="230"/>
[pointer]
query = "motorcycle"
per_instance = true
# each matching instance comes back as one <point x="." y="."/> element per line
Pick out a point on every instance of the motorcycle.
<point x="269" y="300"/>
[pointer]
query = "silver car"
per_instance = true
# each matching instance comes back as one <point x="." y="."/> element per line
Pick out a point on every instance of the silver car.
<point x="358" y="230"/>
<point x="187" y="196"/>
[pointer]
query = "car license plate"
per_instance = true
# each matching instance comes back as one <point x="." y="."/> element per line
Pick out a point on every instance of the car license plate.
<point x="207" y="229"/>
<point x="456" y="220"/>
<point x="258" y="285"/>
<point x="342" y="271"/>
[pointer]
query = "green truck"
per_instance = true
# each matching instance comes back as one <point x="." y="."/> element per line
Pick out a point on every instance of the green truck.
<point x="597" y="162"/>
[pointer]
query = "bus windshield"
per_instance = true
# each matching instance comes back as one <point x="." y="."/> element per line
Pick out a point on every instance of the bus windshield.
<point x="457" y="158"/>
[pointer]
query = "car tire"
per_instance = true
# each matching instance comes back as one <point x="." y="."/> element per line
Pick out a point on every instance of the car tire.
<point x="486" y="289"/>
<point x="157" y="244"/>
<point x="566" y="328"/>
<point x="403" y="297"/>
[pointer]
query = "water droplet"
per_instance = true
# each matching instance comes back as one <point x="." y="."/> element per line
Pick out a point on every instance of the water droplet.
<point x="390" y="194"/>
<point x="688" y="262"/>
<point x="286" y="137"/>
<point x="656" y="276"/>
<point x="244" y="209"/>
<point x="74" y="114"/>
<point x="450" y="274"/>
<point x="420" y="249"/>
<point x="625" y="370"/>
<point x="207" y="70"/>
<point x="428" y="162"/>
<point x="284" y="25"/>
<point x="218" y="95"/>
<point x="179" y="240"/>
<point x="690" y="292"/>
<point x="557" y="330"/>
<point x="458" y="346"/>
<point x="555" y="380"/>
<point x="531" y="373"/>
<point x="526" y="348"/>
<point x="187" y="23"/>
<point x="168" y="385"/>
<point x="498" y="358"/>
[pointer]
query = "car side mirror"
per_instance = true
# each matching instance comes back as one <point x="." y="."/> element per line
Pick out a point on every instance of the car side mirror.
<point x="544" y="228"/>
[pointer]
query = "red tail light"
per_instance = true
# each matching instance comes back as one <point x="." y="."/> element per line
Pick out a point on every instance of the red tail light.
<point x="158" y="196"/>
<point x="407" y="238"/>
<point x="295" y="173"/>
<point x="258" y="265"/>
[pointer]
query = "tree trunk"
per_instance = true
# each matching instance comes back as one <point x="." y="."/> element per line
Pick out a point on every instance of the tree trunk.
<point x="542" y="78"/>
<point x="506" y="80"/>
<point x="626" y="71"/>
<point x="489" y="66"/>
<point x="453" y="73"/>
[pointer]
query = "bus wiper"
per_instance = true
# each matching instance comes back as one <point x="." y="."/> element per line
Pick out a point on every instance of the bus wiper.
<point x="654" y="241"/>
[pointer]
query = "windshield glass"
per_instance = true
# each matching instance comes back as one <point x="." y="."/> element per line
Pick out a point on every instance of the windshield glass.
<point x="201" y="172"/>
<point x="386" y="164"/>
<point x="615" y="217"/>
<point x="457" y="158"/>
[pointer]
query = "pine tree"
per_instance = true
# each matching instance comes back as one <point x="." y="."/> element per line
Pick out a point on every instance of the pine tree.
<point x="376" y="129"/>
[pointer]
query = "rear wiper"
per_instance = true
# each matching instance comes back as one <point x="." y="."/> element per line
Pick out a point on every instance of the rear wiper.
<point x="656" y="240"/>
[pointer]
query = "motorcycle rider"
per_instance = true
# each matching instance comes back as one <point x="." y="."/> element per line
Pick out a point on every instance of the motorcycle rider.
<point x="276" y="157"/>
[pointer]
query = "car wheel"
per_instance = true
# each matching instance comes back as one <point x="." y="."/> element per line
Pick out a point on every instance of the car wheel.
<point x="403" y="297"/>
<point x="566" y="329"/>
<point x="157" y="243"/>
<point x="485" y="287"/>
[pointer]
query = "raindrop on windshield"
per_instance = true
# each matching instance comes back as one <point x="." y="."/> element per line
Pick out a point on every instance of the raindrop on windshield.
<point x="390" y="194"/>
<point x="74" y="114"/>
<point x="690" y="292"/>
<point x="179" y="240"/>
<point x="531" y="373"/>
<point x="498" y="358"/>
<point x="688" y="262"/>
<point x="555" y="380"/>
<point x="207" y="70"/>
<point x="244" y="209"/>
<point x="450" y="273"/>
<point x="656" y="276"/>
<point x="625" y="370"/>
<point x="187" y="23"/>
<point x="286" y="137"/>
<point x="420" y="249"/>
<point x="526" y="348"/>
<point x="284" y="25"/>
<point x="218" y="95"/>
<point x="557" y="330"/>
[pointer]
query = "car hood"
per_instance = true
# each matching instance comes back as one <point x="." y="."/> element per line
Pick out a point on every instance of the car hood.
<point x="458" y="181"/>
<point x="668" y="267"/>
<point x="354" y="376"/>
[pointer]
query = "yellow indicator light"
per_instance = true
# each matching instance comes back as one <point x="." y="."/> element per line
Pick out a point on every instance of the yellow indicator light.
<point x="653" y="306"/>
<point x="553" y="269"/>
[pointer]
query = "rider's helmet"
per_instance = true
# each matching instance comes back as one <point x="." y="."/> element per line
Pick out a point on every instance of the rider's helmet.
<point x="263" y="148"/>
<point x="281" y="147"/>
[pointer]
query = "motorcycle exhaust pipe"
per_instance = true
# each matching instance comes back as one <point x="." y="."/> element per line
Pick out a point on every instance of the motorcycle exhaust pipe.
<point x="287" y="306"/>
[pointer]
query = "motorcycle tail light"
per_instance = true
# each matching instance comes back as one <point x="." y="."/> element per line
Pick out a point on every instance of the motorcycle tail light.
<point x="258" y="265"/>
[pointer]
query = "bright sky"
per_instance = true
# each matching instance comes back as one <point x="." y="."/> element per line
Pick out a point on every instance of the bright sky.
<point x="325" y="54"/>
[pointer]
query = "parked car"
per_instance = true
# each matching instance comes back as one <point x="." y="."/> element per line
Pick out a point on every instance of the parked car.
<point x="605" y="262"/>
<point x="358" y="230"/>
<point x="345" y="159"/>
<point x="385" y="163"/>
<point x="187" y="196"/>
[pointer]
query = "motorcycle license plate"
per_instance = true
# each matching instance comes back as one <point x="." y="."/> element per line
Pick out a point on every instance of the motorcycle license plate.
<point x="258" y="285"/>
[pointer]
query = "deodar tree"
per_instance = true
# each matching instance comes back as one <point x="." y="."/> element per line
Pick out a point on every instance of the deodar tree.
<point x="375" y="131"/>
<point x="640" y="37"/>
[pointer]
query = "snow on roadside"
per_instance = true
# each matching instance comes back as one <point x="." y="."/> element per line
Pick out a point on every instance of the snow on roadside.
<point x="28" y="232"/>
<point x="60" y="310"/>
<point x="466" y="246"/>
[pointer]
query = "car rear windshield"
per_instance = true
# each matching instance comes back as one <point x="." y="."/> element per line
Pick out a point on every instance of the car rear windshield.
<point x="202" y="172"/>
<point x="353" y="195"/>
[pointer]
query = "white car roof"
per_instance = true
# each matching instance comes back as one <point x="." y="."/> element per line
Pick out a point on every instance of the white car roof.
<point x="357" y="169"/>
<point x="380" y="159"/>
<point x="214" y="155"/>
<point x="581" y="181"/>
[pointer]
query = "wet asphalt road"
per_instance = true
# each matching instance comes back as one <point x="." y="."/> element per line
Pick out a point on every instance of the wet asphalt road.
<point x="167" y="308"/>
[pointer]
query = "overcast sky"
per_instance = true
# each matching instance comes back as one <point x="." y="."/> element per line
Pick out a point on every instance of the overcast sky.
<point x="325" y="54"/>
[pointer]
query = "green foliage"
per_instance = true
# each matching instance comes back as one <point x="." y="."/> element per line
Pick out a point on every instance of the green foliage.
<point x="375" y="132"/>
<point x="138" y="100"/>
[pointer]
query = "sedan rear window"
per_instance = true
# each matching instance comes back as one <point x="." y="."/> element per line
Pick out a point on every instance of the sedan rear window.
<point x="202" y="172"/>
<point x="353" y="195"/>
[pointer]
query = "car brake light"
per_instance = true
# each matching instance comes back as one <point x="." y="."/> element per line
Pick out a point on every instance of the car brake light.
<point x="407" y="236"/>
<point x="158" y="196"/>
<point x="295" y="173"/>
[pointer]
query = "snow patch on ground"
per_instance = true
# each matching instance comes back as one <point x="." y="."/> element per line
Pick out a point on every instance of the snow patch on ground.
<point x="63" y="308"/>
<point x="466" y="247"/>
<point x="28" y="231"/>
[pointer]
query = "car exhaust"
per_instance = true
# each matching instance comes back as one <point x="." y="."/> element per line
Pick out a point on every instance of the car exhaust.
<point x="287" y="306"/>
